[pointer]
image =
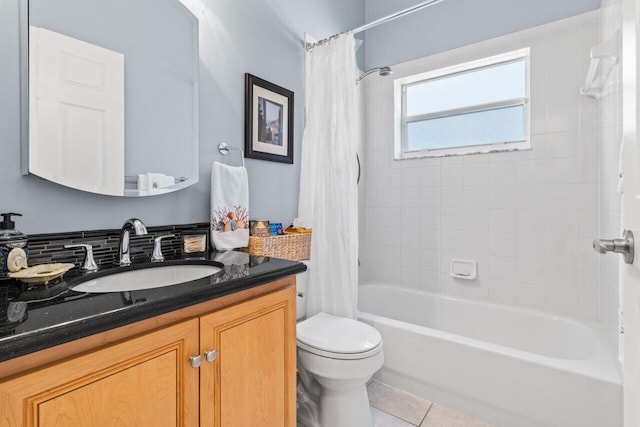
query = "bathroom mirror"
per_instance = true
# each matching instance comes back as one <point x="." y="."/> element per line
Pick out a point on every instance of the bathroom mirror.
<point x="110" y="94"/>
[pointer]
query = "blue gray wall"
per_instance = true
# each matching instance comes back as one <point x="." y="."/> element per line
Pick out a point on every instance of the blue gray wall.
<point x="455" y="23"/>
<point x="255" y="36"/>
<point x="263" y="38"/>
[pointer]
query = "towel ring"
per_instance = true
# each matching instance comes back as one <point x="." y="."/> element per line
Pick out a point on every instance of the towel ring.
<point x="224" y="149"/>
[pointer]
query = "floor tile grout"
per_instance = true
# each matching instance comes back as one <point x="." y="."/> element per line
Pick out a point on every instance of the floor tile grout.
<point x="379" y="390"/>
<point x="397" y="417"/>
<point x="425" y="415"/>
<point x="393" y="394"/>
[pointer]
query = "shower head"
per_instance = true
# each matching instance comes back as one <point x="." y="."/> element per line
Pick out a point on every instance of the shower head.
<point x="382" y="71"/>
<point x="385" y="71"/>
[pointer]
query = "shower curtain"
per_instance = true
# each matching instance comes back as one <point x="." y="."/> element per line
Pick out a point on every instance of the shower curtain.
<point x="328" y="200"/>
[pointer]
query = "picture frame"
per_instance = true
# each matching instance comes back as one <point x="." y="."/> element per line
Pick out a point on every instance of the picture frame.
<point x="268" y="121"/>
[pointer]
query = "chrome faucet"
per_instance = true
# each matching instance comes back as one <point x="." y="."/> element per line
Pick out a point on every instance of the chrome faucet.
<point x="138" y="228"/>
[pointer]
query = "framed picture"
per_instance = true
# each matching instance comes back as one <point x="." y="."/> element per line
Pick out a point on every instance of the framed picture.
<point x="268" y="133"/>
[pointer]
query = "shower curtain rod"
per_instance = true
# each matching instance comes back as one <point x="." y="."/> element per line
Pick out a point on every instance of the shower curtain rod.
<point x="377" y="22"/>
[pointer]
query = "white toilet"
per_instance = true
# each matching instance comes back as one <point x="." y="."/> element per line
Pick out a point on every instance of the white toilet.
<point x="342" y="355"/>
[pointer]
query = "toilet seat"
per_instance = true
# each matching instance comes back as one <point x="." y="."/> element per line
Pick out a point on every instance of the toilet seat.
<point x="339" y="356"/>
<point x="338" y="337"/>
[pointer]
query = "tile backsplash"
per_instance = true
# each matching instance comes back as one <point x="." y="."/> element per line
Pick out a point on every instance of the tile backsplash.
<point x="526" y="217"/>
<point x="45" y="248"/>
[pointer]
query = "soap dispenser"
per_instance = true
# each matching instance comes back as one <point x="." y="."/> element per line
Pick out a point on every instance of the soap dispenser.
<point x="13" y="245"/>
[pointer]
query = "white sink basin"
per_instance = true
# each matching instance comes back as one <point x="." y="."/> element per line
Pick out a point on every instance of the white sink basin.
<point x="148" y="278"/>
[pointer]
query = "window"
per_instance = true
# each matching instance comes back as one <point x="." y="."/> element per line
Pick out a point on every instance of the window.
<point x="475" y="107"/>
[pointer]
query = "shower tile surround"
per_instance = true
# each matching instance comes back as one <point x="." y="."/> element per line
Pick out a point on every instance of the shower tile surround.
<point x="527" y="217"/>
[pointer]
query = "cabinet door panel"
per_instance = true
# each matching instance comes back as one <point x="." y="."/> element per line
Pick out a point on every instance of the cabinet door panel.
<point x="151" y="384"/>
<point x="145" y="381"/>
<point x="252" y="381"/>
<point x="251" y="356"/>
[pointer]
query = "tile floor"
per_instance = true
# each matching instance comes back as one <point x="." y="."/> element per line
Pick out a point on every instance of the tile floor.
<point x="392" y="407"/>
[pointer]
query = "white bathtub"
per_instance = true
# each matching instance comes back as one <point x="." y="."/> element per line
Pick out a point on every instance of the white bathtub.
<point x="509" y="367"/>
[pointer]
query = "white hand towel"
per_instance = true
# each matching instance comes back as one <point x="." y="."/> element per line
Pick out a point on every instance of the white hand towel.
<point x="155" y="180"/>
<point x="168" y="181"/>
<point x="143" y="182"/>
<point x="152" y="181"/>
<point x="229" y="206"/>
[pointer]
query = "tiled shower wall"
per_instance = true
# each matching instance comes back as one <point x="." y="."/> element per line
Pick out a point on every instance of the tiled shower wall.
<point x="526" y="217"/>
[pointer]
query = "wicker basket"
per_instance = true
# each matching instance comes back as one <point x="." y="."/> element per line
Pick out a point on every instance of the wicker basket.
<point x="294" y="247"/>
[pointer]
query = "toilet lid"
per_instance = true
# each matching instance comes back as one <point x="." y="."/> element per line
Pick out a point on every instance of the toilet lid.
<point x="338" y="334"/>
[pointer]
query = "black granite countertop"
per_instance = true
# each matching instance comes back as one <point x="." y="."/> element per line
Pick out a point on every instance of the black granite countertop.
<point x="38" y="317"/>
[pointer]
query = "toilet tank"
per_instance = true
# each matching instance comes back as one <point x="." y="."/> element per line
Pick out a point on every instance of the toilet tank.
<point x="302" y="286"/>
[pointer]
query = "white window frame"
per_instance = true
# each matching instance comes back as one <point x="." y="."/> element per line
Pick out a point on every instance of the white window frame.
<point x="401" y="120"/>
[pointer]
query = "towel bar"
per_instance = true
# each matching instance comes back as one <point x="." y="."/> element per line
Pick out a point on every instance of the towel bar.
<point x="223" y="149"/>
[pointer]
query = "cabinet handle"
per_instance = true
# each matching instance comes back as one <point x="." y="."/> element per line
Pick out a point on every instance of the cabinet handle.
<point x="195" y="361"/>
<point x="210" y="355"/>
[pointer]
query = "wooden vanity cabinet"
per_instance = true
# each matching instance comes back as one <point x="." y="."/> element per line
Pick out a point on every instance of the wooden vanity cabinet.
<point x="149" y="380"/>
<point x="142" y="381"/>
<point x="252" y="381"/>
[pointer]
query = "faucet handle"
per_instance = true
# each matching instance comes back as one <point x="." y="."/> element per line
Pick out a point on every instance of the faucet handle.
<point x="89" y="263"/>
<point x="138" y="226"/>
<point x="157" y="247"/>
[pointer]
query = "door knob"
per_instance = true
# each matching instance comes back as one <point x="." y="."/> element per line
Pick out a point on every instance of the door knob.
<point x="210" y="355"/>
<point x="195" y="361"/>
<point x="624" y="246"/>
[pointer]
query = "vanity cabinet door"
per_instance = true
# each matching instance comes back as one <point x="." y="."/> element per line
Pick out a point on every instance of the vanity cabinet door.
<point x="144" y="381"/>
<point x="252" y="381"/>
